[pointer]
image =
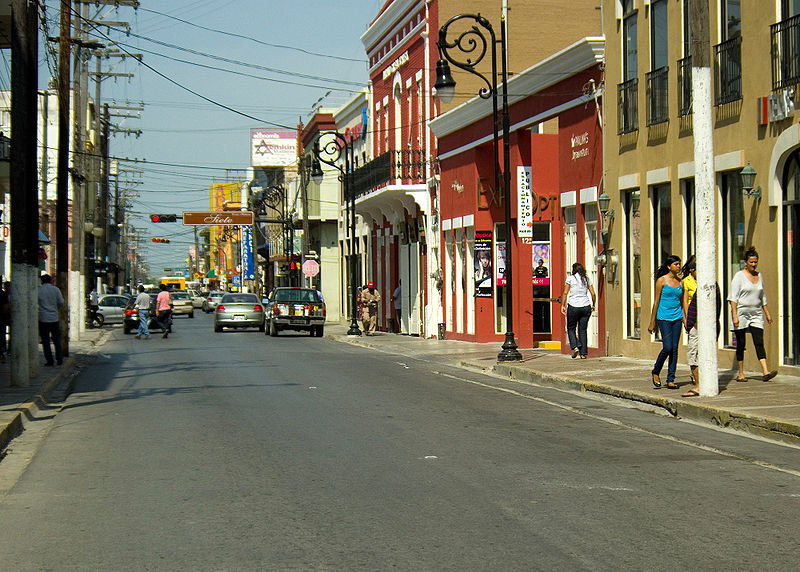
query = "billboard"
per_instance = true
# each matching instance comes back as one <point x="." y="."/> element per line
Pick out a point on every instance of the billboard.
<point x="272" y="148"/>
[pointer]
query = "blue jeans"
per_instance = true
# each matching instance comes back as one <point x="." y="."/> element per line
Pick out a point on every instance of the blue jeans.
<point x="578" y="318"/>
<point x="670" y="338"/>
<point x="144" y="318"/>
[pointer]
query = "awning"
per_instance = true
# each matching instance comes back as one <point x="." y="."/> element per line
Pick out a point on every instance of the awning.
<point x="211" y="273"/>
<point x="43" y="238"/>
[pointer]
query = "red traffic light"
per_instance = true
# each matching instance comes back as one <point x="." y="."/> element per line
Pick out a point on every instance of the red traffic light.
<point x="164" y="240"/>
<point x="163" y="218"/>
<point x="155" y="218"/>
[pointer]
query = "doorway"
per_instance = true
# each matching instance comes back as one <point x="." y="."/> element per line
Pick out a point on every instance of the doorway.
<point x="791" y="261"/>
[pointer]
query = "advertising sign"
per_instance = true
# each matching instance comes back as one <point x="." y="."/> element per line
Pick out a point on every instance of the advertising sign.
<point x="500" y="274"/>
<point x="272" y="148"/>
<point x="248" y="268"/>
<point x="222" y="218"/>
<point x="483" y="264"/>
<point x="524" y="203"/>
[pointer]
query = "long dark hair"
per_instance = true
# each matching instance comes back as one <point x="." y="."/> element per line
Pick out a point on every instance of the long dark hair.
<point x="751" y="251"/>
<point x="578" y="269"/>
<point x="663" y="270"/>
<point x="689" y="266"/>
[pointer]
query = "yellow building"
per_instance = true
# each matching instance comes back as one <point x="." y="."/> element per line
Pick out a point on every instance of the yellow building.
<point x="755" y="64"/>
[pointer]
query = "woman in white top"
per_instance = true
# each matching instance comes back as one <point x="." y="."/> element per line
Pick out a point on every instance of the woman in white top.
<point x="748" y="312"/>
<point x="577" y="304"/>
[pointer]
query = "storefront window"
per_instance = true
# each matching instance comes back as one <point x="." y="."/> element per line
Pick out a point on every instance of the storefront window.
<point x="662" y="224"/>
<point x="449" y="290"/>
<point x="541" y="306"/>
<point x="500" y="277"/>
<point x="733" y="236"/>
<point x="690" y="222"/>
<point x="791" y="262"/>
<point x="633" y="262"/>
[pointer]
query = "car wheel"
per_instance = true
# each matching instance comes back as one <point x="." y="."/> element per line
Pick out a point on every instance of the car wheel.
<point x="261" y="327"/>
<point x="126" y="330"/>
<point x="273" y="329"/>
<point x="218" y="329"/>
<point x="320" y="331"/>
<point x="191" y="314"/>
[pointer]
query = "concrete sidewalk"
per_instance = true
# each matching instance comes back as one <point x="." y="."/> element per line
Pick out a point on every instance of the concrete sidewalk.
<point x="20" y="403"/>
<point x="770" y="409"/>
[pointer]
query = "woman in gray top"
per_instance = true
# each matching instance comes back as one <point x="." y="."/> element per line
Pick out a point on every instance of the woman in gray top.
<point x="748" y="312"/>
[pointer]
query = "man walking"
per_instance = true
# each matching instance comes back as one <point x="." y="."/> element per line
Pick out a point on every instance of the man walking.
<point x="397" y="298"/>
<point x="163" y="309"/>
<point x="142" y="305"/>
<point x="369" y="300"/>
<point x="50" y="300"/>
<point x="94" y="305"/>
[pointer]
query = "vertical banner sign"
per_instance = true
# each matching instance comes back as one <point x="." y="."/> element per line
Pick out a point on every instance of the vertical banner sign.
<point x="501" y="263"/>
<point x="248" y="269"/>
<point x="483" y="264"/>
<point x="524" y="203"/>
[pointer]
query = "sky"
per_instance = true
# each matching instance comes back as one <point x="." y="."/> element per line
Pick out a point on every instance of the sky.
<point x="211" y="71"/>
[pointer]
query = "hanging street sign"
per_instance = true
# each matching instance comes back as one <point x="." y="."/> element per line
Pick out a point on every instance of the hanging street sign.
<point x="220" y="218"/>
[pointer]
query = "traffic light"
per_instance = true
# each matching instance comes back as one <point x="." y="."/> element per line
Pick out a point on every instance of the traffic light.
<point x="164" y="240"/>
<point x="163" y="218"/>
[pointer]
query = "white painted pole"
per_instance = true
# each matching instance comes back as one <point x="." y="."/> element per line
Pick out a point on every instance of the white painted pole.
<point x="19" y="349"/>
<point x="705" y="213"/>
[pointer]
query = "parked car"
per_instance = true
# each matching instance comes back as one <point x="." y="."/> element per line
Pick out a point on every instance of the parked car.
<point x="295" y="309"/>
<point x="239" y="311"/>
<point x="182" y="303"/>
<point x="197" y="298"/>
<point x="212" y="300"/>
<point x="130" y="322"/>
<point x="111" y="308"/>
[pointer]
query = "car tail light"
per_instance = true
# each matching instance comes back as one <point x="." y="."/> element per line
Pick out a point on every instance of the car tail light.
<point x="257" y="308"/>
<point x="220" y="308"/>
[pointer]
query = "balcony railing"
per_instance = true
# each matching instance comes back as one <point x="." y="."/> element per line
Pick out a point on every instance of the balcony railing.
<point x="407" y="167"/>
<point x="657" y="82"/>
<point x="627" y="106"/>
<point x="685" y="86"/>
<point x="785" y="53"/>
<point x="728" y="71"/>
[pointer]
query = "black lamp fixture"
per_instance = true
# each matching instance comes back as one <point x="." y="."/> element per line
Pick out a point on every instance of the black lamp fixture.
<point x="330" y="147"/>
<point x="748" y="178"/>
<point x="635" y="200"/>
<point x="473" y="45"/>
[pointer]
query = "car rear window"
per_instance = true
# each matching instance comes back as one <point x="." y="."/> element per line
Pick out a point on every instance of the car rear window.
<point x="180" y="296"/>
<point x="296" y="295"/>
<point x="239" y="299"/>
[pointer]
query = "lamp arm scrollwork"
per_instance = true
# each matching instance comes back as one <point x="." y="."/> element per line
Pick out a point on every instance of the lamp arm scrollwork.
<point x="474" y="45"/>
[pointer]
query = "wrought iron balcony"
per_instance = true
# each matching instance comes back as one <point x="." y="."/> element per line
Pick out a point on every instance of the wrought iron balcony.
<point x="728" y="71"/>
<point x="402" y="167"/>
<point x="685" y="86"/>
<point x="657" y="96"/>
<point x="785" y="53"/>
<point x="627" y="106"/>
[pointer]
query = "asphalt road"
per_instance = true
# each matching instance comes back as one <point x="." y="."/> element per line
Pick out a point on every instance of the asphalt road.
<point x="237" y="451"/>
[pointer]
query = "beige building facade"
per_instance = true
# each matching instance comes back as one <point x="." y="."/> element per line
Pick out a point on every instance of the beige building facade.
<point x="649" y="149"/>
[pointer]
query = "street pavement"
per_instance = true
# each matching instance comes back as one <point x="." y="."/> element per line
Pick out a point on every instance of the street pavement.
<point x="769" y="409"/>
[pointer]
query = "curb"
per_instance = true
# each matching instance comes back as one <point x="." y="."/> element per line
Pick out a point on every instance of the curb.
<point x="677" y="408"/>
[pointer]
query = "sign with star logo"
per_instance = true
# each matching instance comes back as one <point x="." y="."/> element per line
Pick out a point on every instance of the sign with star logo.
<point x="272" y="148"/>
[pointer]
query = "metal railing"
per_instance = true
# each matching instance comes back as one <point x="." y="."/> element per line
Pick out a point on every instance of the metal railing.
<point x="627" y="106"/>
<point x="785" y="52"/>
<point x="657" y="82"/>
<point x="685" y="86"/>
<point x="728" y="71"/>
<point x="404" y="167"/>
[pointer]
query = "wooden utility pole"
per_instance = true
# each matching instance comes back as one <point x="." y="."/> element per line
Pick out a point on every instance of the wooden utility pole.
<point x="62" y="170"/>
<point x="705" y="214"/>
<point x="24" y="193"/>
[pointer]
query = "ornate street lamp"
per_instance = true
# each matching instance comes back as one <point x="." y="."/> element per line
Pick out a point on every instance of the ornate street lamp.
<point x="330" y="147"/>
<point x="473" y="45"/>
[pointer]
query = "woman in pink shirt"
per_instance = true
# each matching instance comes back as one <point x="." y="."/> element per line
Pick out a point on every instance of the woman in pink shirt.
<point x="164" y="310"/>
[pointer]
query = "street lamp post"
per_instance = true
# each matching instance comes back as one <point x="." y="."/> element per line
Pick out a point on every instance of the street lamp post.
<point x="330" y="147"/>
<point x="473" y="45"/>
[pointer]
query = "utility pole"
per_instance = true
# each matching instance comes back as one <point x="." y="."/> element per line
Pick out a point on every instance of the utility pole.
<point x="44" y="219"/>
<point x="24" y="196"/>
<point x="705" y="214"/>
<point x="62" y="171"/>
<point x="76" y="302"/>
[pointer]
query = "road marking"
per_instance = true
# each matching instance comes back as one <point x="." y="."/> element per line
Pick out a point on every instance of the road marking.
<point x="619" y="423"/>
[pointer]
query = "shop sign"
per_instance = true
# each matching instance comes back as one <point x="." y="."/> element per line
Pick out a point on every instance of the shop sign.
<point x="483" y="264"/>
<point x="776" y="107"/>
<point x="580" y="145"/>
<point x="396" y="65"/>
<point x="224" y="218"/>
<point x="5" y="232"/>
<point x="524" y="203"/>
<point x="500" y="275"/>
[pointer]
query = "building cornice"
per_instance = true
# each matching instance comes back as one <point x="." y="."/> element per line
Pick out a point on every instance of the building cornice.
<point x="550" y="71"/>
<point x="352" y="108"/>
<point x="386" y="21"/>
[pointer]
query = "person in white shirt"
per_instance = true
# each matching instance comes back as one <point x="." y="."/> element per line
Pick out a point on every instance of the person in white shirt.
<point x="142" y="305"/>
<point x="397" y="298"/>
<point x="50" y="300"/>
<point x="577" y="304"/>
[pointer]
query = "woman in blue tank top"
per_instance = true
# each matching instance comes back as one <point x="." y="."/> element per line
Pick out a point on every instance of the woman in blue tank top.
<point x="668" y="312"/>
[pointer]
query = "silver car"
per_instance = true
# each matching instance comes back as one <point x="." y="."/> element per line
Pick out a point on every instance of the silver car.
<point x="211" y="301"/>
<point x="239" y="311"/>
<point x="181" y="303"/>
<point x="197" y="299"/>
<point x="112" y="308"/>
